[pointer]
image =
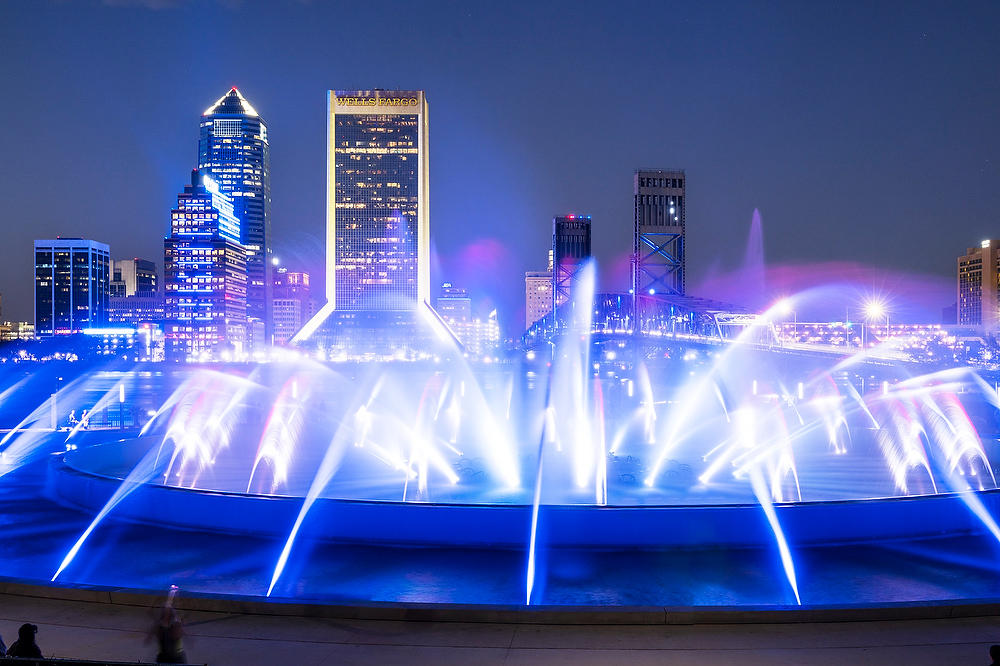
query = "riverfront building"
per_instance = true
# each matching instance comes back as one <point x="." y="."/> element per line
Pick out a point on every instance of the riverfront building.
<point x="978" y="294"/>
<point x="205" y="275"/>
<point x="72" y="282"/>
<point x="537" y="296"/>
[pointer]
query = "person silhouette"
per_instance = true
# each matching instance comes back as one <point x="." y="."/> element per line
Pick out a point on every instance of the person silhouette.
<point x="25" y="645"/>
<point x="995" y="655"/>
<point x="169" y="633"/>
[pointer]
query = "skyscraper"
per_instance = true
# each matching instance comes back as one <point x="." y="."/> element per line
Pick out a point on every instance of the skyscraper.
<point x="72" y="281"/>
<point x="205" y="277"/>
<point x="978" y="297"/>
<point x="233" y="151"/>
<point x="377" y="215"/>
<point x="570" y="250"/>
<point x="658" y="261"/>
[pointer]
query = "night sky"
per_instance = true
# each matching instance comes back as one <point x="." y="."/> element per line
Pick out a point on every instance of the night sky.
<point x="868" y="138"/>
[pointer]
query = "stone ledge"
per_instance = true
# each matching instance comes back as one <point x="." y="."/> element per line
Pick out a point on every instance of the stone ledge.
<point x="585" y="615"/>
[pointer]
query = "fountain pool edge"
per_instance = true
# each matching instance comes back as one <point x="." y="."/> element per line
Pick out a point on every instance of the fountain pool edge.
<point x="500" y="525"/>
<point x="508" y="614"/>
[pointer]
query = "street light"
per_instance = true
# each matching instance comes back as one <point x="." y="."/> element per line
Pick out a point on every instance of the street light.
<point x="874" y="310"/>
<point x="784" y="308"/>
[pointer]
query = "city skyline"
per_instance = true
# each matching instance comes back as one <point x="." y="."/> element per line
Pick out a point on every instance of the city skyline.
<point x="746" y="149"/>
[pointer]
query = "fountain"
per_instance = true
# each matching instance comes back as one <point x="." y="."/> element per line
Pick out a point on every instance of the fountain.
<point x="706" y="457"/>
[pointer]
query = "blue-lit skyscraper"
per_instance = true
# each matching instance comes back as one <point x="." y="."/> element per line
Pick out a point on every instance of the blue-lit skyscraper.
<point x="205" y="274"/>
<point x="72" y="282"/>
<point x="233" y="150"/>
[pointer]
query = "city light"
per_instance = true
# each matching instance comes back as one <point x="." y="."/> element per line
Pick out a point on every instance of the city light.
<point x="874" y="309"/>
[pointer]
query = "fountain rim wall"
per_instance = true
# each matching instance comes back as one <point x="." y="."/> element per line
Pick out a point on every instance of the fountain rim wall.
<point x="388" y="522"/>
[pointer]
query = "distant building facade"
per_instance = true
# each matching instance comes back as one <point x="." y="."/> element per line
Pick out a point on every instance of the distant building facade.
<point x="16" y="330"/>
<point x="454" y="303"/>
<point x="148" y="307"/>
<point x="133" y="276"/>
<point x="659" y="261"/>
<point x="292" y="306"/>
<point x="205" y="275"/>
<point x="72" y="285"/>
<point x="537" y="296"/>
<point x="978" y="295"/>
<point x="479" y="337"/>
<point x="234" y="151"/>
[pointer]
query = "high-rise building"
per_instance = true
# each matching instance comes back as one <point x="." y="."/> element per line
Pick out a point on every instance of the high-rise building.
<point x="16" y="330"/>
<point x="478" y="336"/>
<point x="132" y="276"/>
<point x="570" y="251"/>
<point x="658" y="261"/>
<point x="377" y="228"/>
<point x="537" y="296"/>
<point x="233" y="150"/>
<point x="204" y="268"/>
<point x="978" y="295"/>
<point x="454" y="303"/>
<point x="292" y="304"/>
<point x="72" y="281"/>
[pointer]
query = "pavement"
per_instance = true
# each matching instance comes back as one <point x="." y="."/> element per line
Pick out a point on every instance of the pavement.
<point x="93" y="630"/>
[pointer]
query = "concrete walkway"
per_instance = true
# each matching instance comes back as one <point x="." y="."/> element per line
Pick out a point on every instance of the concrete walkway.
<point x="109" y="631"/>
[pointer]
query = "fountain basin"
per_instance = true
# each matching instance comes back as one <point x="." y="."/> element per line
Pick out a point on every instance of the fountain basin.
<point x="80" y="478"/>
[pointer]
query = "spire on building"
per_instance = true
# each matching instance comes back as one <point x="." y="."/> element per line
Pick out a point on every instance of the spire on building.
<point x="233" y="102"/>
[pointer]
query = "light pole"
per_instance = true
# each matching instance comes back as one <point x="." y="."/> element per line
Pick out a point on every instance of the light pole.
<point x="874" y="310"/>
<point x="121" y="406"/>
<point x="784" y="307"/>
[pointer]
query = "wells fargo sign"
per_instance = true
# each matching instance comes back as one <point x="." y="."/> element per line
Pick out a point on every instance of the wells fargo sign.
<point x="377" y="101"/>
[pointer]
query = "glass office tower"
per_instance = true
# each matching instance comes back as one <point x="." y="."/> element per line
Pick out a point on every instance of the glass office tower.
<point x="377" y="219"/>
<point x="205" y="275"/>
<point x="72" y="283"/>
<point x="233" y="151"/>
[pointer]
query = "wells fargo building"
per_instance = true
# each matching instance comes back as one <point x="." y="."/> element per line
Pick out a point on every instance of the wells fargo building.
<point x="377" y="229"/>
